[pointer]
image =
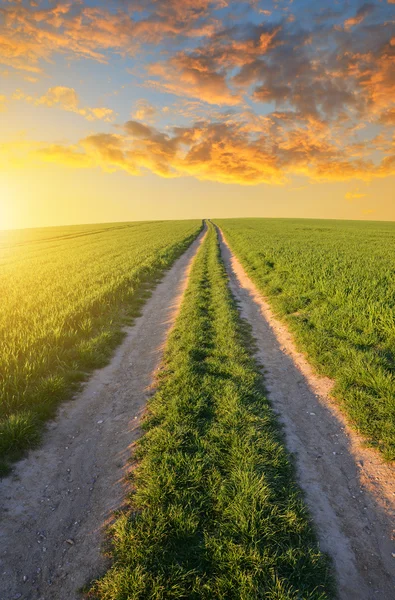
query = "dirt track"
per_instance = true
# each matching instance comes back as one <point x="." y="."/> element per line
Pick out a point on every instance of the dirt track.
<point x="54" y="505"/>
<point x="349" y="489"/>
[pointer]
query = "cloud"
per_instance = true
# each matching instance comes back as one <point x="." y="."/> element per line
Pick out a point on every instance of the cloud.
<point x="69" y="156"/>
<point x="67" y="99"/>
<point x="17" y="152"/>
<point x="138" y="130"/>
<point x="195" y="77"/>
<point x="107" y="151"/>
<point x="376" y="75"/>
<point x="32" y="33"/>
<point x="228" y="151"/>
<point x="204" y="73"/>
<point x="100" y="113"/>
<point x="354" y="195"/>
<point x="144" y="111"/>
<point x="318" y="69"/>
<point x="387" y="117"/>
<point x="30" y="79"/>
<point x="360" y="16"/>
<point x="259" y="98"/>
<point x="3" y="103"/>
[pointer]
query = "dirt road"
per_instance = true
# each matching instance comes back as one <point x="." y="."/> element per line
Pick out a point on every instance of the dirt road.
<point x="350" y="490"/>
<point x="54" y="505"/>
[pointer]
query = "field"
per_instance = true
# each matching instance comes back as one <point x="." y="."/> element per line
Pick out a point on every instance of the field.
<point x="333" y="283"/>
<point x="222" y="502"/>
<point x="215" y="512"/>
<point x="66" y="292"/>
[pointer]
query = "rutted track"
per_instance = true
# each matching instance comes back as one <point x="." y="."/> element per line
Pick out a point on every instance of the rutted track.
<point x="54" y="506"/>
<point x="349" y="489"/>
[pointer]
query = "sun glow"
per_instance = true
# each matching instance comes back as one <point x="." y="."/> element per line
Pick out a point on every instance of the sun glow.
<point x="6" y="205"/>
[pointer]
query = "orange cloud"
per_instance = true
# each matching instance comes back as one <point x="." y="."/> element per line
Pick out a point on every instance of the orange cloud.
<point x="379" y="81"/>
<point x="100" y="113"/>
<point x="261" y="100"/>
<point x="387" y="117"/>
<point x="144" y="111"/>
<point x="360" y="16"/>
<point x="203" y="73"/>
<point x="354" y="195"/>
<point x="69" y="156"/>
<point x="67" y="99"/>
<point x="229" y="152"/>
<point x="193" y="76"/>
<point x="30" y="34"/>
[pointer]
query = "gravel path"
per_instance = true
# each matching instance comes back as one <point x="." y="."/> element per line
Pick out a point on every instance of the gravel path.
<point x="55" y="504"/>
<point x="350" y="490"/>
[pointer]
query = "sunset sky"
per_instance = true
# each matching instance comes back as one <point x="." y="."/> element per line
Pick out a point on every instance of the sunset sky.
<point x="155" y="109"/>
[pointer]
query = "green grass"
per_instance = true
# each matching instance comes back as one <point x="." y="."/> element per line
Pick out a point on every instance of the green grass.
<point x="333" y="283"/>
<point x="66" y="293"/>
<point x="214" y="511"/>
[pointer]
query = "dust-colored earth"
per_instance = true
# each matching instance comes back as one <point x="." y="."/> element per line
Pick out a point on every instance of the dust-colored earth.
<point x="54" y="506"/>
<point x="348" y="487"/>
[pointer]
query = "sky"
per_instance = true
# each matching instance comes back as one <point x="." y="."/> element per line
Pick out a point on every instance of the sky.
<point x="166" y="109"/>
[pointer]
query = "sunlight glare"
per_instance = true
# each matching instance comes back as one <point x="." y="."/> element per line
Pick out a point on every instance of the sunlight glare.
<point x="6" y="205"/>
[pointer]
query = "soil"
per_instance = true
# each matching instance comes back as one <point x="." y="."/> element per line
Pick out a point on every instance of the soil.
<point x="55" y="505"/>
<point x="349" y="488"/>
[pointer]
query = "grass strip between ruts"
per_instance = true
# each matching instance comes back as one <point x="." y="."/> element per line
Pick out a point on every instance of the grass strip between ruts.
<point x="214" y="511"/>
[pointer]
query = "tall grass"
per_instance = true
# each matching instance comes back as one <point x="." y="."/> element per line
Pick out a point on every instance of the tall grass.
<point x="333" y="282"/>
<point x="214" y="512"/>
<point x="65" y="294"/>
